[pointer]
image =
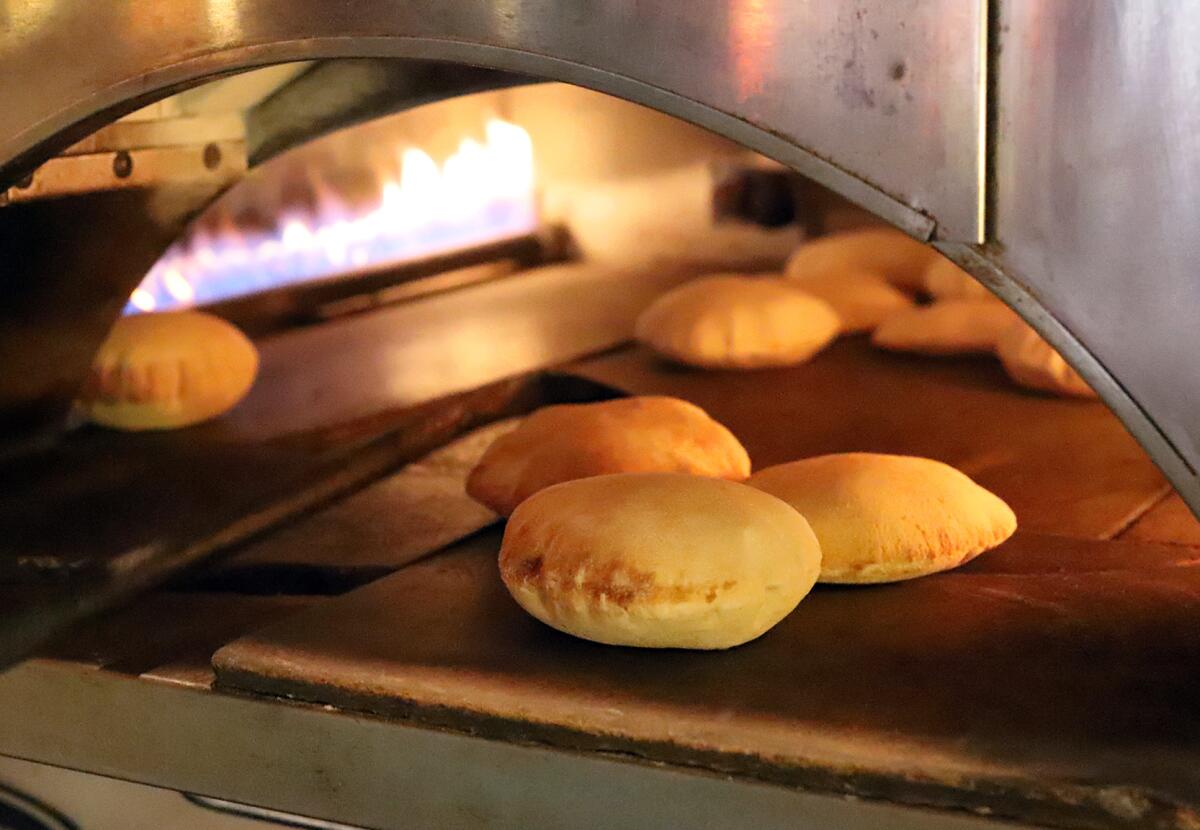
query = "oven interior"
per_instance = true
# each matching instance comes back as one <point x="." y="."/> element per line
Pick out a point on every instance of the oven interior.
<point x="312" y="553"/>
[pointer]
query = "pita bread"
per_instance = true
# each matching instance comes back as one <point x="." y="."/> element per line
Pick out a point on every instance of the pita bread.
<point x="736" y="322"/>
<point x="570" y="441"/>
<point x="168" y="370"/>
<point x="946" y="281"/>
<point x="862" y="300"/>
<point x="883" y="518"/>
<point x="1034" y="364"/>
<point x="945" y="328"/>
<point x="893" y="255"/>
<point x="658" y="560"/>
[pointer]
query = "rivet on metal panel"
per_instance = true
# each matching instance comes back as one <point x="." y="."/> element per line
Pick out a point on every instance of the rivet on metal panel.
<point x="212" y="156"/>
<point x="122" y="164"/>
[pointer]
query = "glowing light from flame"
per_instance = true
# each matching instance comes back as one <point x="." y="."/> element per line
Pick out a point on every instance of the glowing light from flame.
<point x="483" y="192"/>
<point x="178" y="286"/>
<point x="142" y="300"/>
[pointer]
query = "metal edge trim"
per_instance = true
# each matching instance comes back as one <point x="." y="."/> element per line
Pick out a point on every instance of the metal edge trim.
<point x="343" y="767"/>
<point x="177" y="76"/>
<point x="264" y="814"/>
<point x="983" y="83"/>
<point x="1143" y="428"/>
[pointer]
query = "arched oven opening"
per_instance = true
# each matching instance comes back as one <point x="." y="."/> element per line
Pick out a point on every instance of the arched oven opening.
<point x="299" y="584"/>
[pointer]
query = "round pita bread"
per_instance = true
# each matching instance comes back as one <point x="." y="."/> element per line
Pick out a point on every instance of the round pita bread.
<point x="1034" y="364"/>
<point x="884" y="518"/>
<point x="945" y="328"/>
<point x="570" y="441"/>
<point x="168" y="370"/>
<point x="658" y="560"/>
<point x="946" y="281"/>
<point x="862" y="300"/>
<point x="893" y="255"/>
<point x="736" y="322"/>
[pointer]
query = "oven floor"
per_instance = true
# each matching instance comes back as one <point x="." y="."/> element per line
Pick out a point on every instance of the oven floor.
<point x="1032" y="685"/>
<point x="1048" y="682"/>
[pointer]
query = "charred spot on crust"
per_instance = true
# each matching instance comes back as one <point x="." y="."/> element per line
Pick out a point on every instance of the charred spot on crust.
<point x="622" y="595"/>
<point x="529" y="568"/>
<point x="612" y="582"/>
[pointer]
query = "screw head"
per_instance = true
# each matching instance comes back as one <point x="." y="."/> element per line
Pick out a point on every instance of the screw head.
<point x="122" y="164"/>
<point x="212" y="156"/>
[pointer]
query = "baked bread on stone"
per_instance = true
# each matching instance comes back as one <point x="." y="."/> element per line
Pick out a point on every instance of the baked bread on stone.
<point x="861" y="299"/>
<point x="944" y="280"/>
<point x="884" y="518"/>
<point x="569" y="441"/>
<point x="945" y="328"/>
<point x="892" y="254"/>
<point x="658" y="560"/>
<point x="168" y="370"/>
<point x="1034" y="364"/>
<point x="737" y="322"/>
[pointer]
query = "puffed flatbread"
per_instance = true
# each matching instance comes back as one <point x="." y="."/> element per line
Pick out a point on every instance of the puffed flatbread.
<point x="947" y="327"/>
<point x="893" y="255"/>
<point x="570" y="441"/>
<point x="884" y="518"/>
<point x="861" y="299"/>
<point x="658" y="560"/>
<point x="1034" y="364"/>
<point x="168" y="370"/>
<point x="737" y="322"/>
<point x="944" y="280"/>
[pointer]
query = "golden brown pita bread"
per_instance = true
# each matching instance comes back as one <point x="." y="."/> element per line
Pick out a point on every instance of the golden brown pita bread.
<point x="570" y="441"/>
<point x="946" y="281"/>
<point x="945" y="328"/>
<point x="168" y="370"/>
<point x="737" y="322"/>
<point x="1034" y="364"/>
<point x="658" y="560"/>
<point x="893" y="255"/>
<point x="883" y="518"/>
<point x="861" y="299"/>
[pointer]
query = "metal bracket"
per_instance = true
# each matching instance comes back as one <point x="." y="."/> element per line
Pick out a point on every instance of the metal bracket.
<point x="217" y="162"/>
